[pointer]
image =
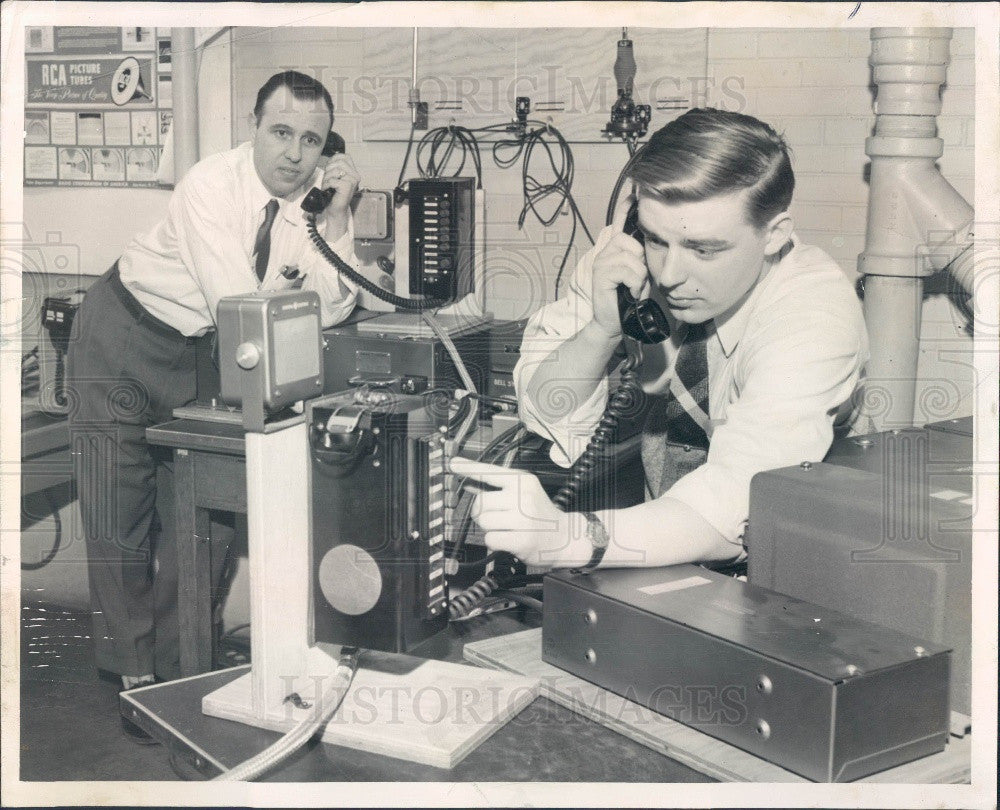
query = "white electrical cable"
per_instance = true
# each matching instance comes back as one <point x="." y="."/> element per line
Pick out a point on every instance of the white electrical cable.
<point x="463" y="372"/>
<point x="323" y="709"/>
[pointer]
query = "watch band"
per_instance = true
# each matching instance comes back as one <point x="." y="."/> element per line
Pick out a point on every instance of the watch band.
<point x="599" y="539"/>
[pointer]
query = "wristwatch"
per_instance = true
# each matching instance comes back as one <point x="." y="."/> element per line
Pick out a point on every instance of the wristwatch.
<point x="598" y="537"/>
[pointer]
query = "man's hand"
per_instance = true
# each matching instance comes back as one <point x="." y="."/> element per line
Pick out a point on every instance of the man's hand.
<point x="342" y="176"/>
<point x="621" y="261"/>
<point x="518" y="516"/>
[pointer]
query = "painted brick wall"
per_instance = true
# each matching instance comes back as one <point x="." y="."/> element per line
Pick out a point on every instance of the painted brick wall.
<point x="814" y="87"/>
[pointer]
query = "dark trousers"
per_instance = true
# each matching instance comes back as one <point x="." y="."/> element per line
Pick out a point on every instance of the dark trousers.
<point x="126" y="371"/>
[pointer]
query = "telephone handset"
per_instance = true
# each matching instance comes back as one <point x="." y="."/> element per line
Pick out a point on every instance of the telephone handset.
<point x="313" y="204"/>
<point x="643" y="321"/>
<point x="318" y="199"/>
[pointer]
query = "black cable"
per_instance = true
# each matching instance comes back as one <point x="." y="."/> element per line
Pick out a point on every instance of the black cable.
<point x="463" y="411"/>
<point x="448" y="139"/>
<point x="520" y="598"/>
<point x="461" y="605"/>
<point x="470" y="564"/>
<point x="30" y="372"/>
<point x="494" y="400"/>
<point x="343" y="267"/>
<point x="534" y="191"/>
<point x="463" y="511"/>
<point x="521" y="582"/>
<point x="406" y="158"/>
<point x="464" y="603"/>
<point x="610" y="214"/>
<point x="56" y="543"/>
<point x="621" y="402"/>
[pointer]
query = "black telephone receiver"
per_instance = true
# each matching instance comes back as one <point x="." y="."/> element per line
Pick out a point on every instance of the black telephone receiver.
<point x="318" y="199"/>
<point x="643" y="321"/>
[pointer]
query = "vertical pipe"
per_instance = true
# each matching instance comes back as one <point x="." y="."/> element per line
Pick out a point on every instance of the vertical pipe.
<point x="414" y="91"/>
<point x="185" y="94"/>
<point x="917" y="223"/>
<point x="892" y="308"/>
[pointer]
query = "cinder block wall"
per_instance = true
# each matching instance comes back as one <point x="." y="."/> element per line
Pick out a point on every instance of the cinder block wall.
<point x="813" y="85"/>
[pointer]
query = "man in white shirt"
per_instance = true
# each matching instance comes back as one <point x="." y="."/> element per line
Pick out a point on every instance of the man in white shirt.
<point x="233" y="225"/>
<point x="776" y="324"/>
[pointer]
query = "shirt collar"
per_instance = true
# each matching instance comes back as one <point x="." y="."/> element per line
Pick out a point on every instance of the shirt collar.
<point x="731" y="325"/>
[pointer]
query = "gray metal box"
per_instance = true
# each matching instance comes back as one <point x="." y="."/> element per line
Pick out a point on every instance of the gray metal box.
<point x="881" y="531"/>
<point x="270" y="345"/>
<point x="410" y="365"/>
<point x="829" y="697"/>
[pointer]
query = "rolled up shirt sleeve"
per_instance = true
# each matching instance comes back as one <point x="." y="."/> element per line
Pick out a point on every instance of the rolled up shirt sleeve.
<point x="795" y="374"/>
<point x="558" y="415"/>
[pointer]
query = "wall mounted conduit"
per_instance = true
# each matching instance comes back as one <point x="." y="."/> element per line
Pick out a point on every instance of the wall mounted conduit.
<point x="918" y="224"/>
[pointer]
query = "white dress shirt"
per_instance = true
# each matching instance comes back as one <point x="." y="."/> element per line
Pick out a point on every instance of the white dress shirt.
<point x="201" y="251"/>
<point x="782" y="366"/>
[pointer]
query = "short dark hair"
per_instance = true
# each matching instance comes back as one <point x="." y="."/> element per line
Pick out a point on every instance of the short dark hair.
<point x="707" y="152"/>
<point x="301" y="86"/>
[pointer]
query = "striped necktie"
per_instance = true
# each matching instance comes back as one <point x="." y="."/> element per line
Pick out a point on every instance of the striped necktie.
<point x="262" y="244"/>
<point x="675" y="438"/>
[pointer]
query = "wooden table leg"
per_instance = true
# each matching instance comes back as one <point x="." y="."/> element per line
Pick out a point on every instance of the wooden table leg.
<point x="194" y="586"/>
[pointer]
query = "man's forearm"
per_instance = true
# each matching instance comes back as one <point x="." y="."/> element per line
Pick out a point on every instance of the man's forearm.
<point x="574" y="368"/>
<point x="665" y="531"/>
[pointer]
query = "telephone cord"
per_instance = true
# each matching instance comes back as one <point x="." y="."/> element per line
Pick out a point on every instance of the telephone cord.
<point x="327" y="252"/>
<point x="621" y="402"/>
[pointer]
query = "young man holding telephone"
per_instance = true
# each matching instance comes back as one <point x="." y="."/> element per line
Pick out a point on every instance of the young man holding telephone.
<point x="233" y="225"/>
<point x="767" y="345"/>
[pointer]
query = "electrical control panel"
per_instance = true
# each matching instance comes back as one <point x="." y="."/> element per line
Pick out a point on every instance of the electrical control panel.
<point x="406" y="363"/>
<point x="442" y="236"/>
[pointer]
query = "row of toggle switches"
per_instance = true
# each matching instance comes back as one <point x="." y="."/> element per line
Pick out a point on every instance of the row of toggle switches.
<point x="437" y="594"/>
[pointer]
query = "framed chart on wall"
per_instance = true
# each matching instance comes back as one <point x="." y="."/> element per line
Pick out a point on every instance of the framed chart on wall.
<point x="97" y="105"/>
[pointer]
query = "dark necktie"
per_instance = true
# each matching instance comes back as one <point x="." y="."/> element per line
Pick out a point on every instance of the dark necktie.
<point x="675" y="439"/>
<point x="262" y="244"/>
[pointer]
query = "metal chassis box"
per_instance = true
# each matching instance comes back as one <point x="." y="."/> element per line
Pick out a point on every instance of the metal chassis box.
<point x="829" y="697"/>
<point x="270" y="347"/>
<point x="882" y="531"/>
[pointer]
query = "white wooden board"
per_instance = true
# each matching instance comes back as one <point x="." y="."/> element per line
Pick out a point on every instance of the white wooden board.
<point x="431" y="712"/>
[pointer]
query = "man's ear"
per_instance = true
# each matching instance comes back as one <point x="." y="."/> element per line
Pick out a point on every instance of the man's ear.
<point x="252" y="120"/>
<point x="779" y="231"/>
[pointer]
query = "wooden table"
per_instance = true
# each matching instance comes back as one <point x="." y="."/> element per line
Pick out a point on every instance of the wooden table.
<point x="209" y="473"/>
<point x="45" y="458"/>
